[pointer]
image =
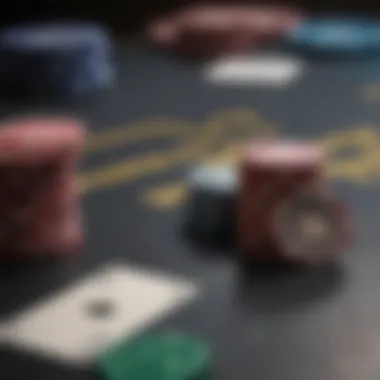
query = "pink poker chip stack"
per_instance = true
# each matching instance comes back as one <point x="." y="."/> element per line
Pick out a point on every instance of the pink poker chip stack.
<point x="39" y="198"/>
<point x="207" y="31"/>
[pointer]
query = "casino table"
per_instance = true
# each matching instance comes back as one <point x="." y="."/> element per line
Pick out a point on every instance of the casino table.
<point x="315" y="324"/>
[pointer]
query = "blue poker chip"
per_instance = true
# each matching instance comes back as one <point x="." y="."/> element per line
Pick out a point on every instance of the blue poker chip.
<point x="336" y="37"/>
<point x="62" y="58"/>
<point x="54" y="36"/>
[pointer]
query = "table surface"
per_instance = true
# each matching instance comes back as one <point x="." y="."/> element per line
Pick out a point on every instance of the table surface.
<point x="315" y="325"/>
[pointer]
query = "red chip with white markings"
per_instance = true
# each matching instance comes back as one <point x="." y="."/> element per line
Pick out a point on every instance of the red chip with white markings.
<point x="272" y="172"/>
<point x="311" y="228"/>
<point x="38" y="168"/>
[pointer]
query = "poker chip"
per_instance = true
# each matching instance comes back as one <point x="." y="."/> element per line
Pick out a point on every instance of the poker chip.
<point x="221" y="179"/>
<point x="266" y="70"/>
<point x="40" y="139"/>
<point x="271" y="21"/>
<point x="208" y="31"/>
<point x="311" y="228"/>
<point x="336" y="37"/>
<point x="210" y="205"/>
<point x="272" y="172"/>
<point x="162" y="32"/>
<point x="162" y="356"/>
<point x="39" y="199"/>
<point x="282" y="154"/>
<point x="55" y="58"/>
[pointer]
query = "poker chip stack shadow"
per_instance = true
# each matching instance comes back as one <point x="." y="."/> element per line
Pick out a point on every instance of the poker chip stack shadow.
<point x="54" y="60"/>
<point x="40" y="206"/>
<point x="275" y="205"/>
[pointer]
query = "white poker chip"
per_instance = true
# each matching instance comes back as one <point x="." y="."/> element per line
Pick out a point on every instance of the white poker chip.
<point x="262" y="70"/>
<point x="213" y="178"/>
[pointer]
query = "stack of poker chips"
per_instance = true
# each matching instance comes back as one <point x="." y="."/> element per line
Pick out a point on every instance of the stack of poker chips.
<point x="205" y="31"/>
<point x="54" y="59"/>
<point x="40" y="201"/>
<point x="275" y="204"/>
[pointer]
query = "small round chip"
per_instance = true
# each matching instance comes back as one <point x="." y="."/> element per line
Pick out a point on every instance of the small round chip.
<point x="334" y="37"/>
<point x="283" y="154"/>
<point x="162" y="356"/>
<point x="311" y="228"/>
<point x="162" y="32"/>
<point x="55" y="59"/>
<point x="220" y="179"/>
<point x="210" y="208"/>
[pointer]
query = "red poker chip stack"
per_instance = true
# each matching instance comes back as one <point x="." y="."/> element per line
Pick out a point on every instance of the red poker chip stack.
<point x="162" y="32"/>
<point x="39" y="203"/>
<point x="271" y="173"/>
<point x="212" y="32"/>
<point x="209" y="31"/>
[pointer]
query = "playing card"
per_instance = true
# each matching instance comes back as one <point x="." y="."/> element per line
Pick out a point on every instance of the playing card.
<point x="114" y="303"/>
<point x="255" y="70"/>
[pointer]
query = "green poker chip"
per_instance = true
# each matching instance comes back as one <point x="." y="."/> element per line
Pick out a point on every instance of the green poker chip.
<point x="160" y="356"/>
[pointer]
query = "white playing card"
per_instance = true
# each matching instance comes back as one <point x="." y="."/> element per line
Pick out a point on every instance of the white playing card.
<point x="265" y="70"/>
<point x="125" y="298"/>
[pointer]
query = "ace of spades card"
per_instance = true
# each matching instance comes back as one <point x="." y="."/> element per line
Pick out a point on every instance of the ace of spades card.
<point x="118" y="301"/>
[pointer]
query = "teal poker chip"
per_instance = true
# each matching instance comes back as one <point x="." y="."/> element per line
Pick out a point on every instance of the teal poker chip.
<point x="331" y="36"/>
<point x="160" y="356"/>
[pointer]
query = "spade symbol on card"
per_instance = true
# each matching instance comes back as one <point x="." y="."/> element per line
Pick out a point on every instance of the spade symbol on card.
<point x="75" y="324"/>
